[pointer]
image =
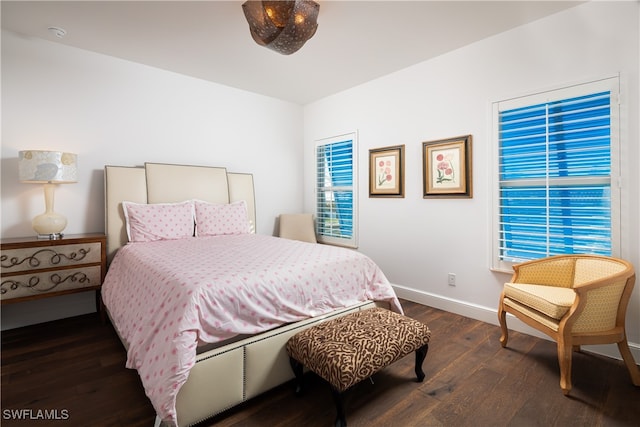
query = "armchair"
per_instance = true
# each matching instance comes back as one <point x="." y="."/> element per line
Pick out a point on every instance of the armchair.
<point x="297" y="227"/>
<point x="574" y="299"/>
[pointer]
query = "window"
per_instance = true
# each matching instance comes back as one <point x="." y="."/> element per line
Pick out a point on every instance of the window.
<point x="557" y="159"/>
<point x="336" y="190"/>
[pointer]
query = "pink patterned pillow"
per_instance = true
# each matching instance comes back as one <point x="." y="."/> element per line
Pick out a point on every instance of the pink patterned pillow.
<point x="159" y="221"/>
<point x="221" y="219"/>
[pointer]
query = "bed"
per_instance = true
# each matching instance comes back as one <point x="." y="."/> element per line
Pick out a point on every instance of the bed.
<point x="205" y="317"/>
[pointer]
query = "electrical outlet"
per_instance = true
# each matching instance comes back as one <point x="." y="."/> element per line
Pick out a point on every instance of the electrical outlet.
<point x="451" y="279"/>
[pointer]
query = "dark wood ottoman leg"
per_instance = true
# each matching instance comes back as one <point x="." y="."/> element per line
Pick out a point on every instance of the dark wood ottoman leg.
<point x="421" y="353"/>
<point x="298" y="371"/>
<point x="341" y="420"/>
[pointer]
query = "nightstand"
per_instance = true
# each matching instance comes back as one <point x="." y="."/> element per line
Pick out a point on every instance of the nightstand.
<point x="35" y="268"/>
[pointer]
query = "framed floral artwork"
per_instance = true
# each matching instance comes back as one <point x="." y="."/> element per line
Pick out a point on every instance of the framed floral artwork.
<point x="446" y="167"/>
<point x="386" y="172"/>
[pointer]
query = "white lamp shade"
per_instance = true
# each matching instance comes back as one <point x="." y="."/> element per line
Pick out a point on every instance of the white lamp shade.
<point x="55" y="167"/>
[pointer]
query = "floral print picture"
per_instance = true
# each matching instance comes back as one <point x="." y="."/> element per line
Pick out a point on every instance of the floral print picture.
<point x="447" y="167"/>
<point x="446" y="163"/>
<point x="386" y="172"/>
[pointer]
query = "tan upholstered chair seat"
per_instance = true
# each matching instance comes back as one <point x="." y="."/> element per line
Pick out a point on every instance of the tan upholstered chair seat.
<point x="551" y="301"/>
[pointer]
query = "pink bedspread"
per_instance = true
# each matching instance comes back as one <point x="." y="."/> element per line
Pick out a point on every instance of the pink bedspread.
<point x="166" y="297"/>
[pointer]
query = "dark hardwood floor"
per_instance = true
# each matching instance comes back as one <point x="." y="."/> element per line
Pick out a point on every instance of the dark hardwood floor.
<point x="74" y="369"/>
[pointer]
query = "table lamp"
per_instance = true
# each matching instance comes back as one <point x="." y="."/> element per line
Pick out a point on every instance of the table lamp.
<point x="48" y="168"/>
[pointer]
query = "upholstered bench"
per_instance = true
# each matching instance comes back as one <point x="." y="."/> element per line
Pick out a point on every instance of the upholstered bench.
<point x="346" y="350"/>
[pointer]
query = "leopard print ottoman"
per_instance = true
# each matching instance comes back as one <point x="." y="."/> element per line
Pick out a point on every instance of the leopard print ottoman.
<point x="346" y="350"/>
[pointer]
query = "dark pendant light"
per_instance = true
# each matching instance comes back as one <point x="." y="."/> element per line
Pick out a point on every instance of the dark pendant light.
<point x="283" y="26"/>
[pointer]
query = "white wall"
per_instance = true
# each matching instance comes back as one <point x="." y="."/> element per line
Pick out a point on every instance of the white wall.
<point x="111" y="111"/>
<point x="417" y="241"/>
<point x="114" y="112"/>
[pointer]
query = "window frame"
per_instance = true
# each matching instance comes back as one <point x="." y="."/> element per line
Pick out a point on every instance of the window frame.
<point x="611" y="84"/>
<point x="350" y="242"/>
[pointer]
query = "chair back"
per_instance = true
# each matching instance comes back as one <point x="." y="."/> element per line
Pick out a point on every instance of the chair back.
<point x="297" y="227"/>
<point x="594" y="268"/>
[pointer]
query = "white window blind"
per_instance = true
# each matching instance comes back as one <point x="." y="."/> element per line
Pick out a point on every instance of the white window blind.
<point x="555" y="171"/>
<point x="336" y="190"/>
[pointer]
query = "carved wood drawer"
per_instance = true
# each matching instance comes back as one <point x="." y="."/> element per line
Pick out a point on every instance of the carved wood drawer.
<point x="34" y="268"/>
<point x="28" y="259"/>
<point x="25" y="285"/>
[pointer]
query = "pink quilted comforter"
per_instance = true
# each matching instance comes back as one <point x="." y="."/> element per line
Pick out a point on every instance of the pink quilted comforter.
<point x="167" y="297"/>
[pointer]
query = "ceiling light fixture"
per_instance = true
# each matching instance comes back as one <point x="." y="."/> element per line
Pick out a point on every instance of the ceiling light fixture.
<point x="57" y="31"/>
<point x="283" y="26"/>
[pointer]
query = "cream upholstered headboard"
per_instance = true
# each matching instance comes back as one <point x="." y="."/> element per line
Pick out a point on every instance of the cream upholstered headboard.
<point x="167" y="183"/>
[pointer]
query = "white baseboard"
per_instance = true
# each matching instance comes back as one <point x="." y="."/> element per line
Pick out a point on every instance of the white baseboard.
<point x="490" y="315"/>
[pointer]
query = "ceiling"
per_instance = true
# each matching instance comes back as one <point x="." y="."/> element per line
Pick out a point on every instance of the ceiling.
<point x="356" y="41"/>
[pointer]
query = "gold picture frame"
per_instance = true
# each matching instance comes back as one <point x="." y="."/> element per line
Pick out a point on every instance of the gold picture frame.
<point x="446" y="168"/>
<point x="386" y="172"/>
